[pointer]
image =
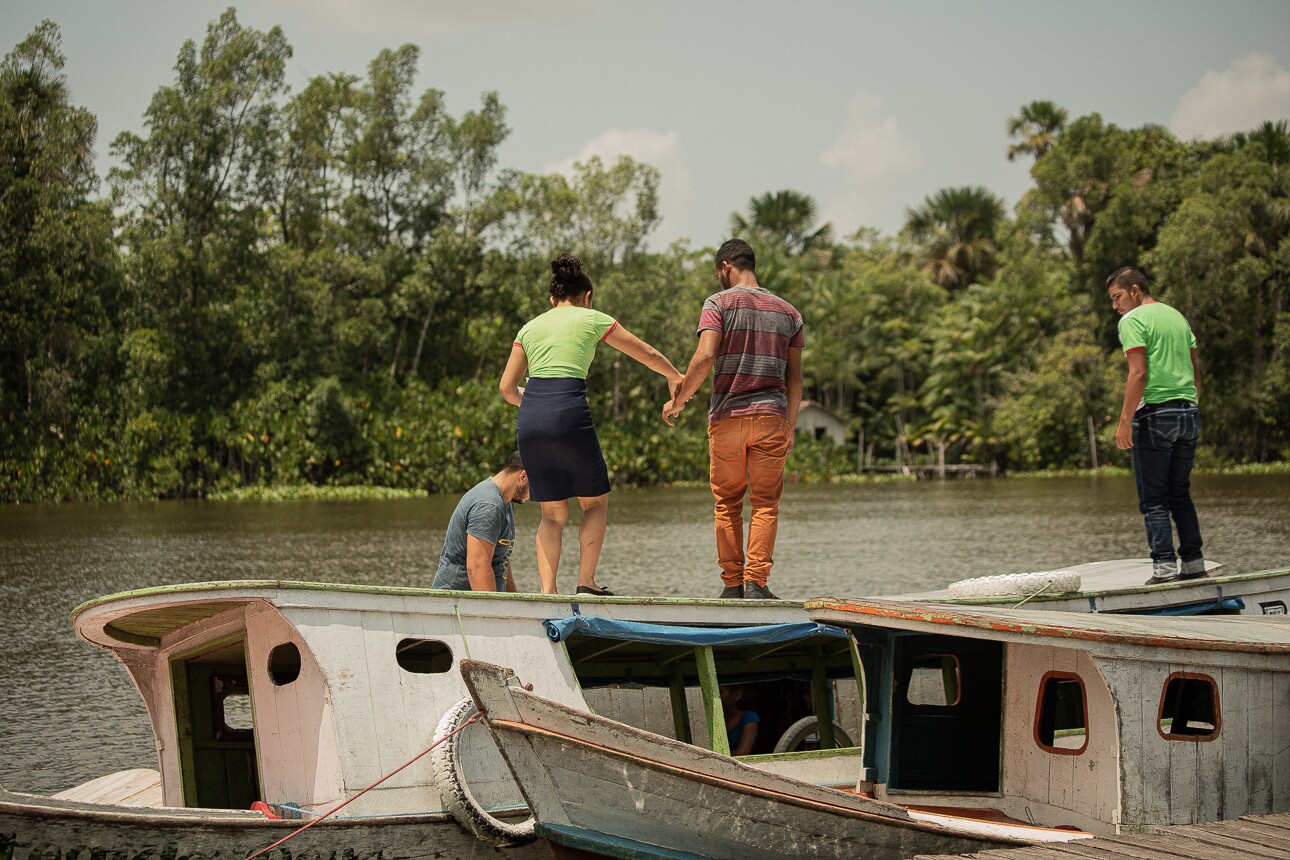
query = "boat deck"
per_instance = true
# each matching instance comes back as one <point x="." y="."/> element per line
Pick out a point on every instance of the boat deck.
<point x="1096" y="578"/>
<point x="1251" y="837"/>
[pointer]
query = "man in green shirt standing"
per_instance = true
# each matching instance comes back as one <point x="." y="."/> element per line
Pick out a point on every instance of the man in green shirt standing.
<point x="1160" y="421"/>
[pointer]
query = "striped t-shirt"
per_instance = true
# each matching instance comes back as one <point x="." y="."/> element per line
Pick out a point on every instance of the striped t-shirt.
<point x="757" y="329"/>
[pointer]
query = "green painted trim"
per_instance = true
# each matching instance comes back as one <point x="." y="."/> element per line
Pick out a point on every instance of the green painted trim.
<point x="841" y="752"/>
<point x="712" y="712"/>
<point x="183" y="731"/>
<point x="397" y="591"/>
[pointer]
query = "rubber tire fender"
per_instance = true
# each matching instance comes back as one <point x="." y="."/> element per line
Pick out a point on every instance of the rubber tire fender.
<point x="457" y="795"/>
<point x="803" y="728"/>
<point x="1017" y="584"/>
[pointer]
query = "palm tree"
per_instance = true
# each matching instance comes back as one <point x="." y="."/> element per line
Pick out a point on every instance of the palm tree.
<point x="784" y="218"/>
<point x="956" y="229"/>
<point x="1275" y="137"/>
<point x="1038" y="126"/>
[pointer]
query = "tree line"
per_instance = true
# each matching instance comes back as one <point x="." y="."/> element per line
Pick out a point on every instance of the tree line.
<point x="278" y="288"/>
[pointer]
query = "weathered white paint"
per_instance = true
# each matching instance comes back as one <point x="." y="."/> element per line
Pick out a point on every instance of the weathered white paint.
<point x="353" y="715"/>
<point x="1130" y="776"/>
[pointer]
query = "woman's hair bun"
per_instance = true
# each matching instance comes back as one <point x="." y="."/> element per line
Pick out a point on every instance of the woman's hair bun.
<point x="567" y="268"/>
<point x="567" y="278"/>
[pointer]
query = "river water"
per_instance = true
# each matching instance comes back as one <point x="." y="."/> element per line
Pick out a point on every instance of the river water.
<point x="69" y="712"/>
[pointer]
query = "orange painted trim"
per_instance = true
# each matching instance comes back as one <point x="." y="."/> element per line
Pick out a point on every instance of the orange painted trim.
<point x="1218" y="711"/>
<point x="1039" y="710"/>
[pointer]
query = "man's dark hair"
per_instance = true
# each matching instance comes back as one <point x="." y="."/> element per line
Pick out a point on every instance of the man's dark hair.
<point x="739" y="254"/>
<point x="1125" y="277"/>
<point x="513" y="463"/>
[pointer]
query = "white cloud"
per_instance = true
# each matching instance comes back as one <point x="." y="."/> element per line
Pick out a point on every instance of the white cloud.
<point x="874" y="152"/>
<point x="871" y="145"/>
<point x="1251" y="90"/>
<point x="659" y="149"/>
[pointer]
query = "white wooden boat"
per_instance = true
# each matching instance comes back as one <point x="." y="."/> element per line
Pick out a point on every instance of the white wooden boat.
<point x="982" y="728"/>
<point x="1120" y="586"/>
<point x="299" y="696"/>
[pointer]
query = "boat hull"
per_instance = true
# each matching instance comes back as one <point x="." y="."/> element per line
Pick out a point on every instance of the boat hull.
<point x="32" y="826"/>
<point x="599" y="788"/>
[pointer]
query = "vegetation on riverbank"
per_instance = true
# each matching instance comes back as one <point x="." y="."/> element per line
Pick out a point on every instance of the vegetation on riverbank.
<point x="284" y="291"/>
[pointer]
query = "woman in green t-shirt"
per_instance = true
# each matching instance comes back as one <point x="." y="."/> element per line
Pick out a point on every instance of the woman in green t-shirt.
<point x="557" y="438"/>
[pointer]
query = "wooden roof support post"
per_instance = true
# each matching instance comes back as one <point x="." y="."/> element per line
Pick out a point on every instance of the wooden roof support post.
<point x="822" y="701"/>
<point x="712" y="699"/>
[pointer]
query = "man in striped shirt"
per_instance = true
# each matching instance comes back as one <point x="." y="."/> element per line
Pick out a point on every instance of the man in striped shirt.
<point x="753" y="341"/>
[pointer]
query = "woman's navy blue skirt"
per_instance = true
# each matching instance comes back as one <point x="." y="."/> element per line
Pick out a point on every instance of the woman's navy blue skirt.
<point x="557" y="441"/>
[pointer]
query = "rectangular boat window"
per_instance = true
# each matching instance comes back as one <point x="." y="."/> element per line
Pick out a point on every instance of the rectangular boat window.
<point x="1061" y="715"/>
<point x="934" y="680"/>
<point x="1189" y="708"/>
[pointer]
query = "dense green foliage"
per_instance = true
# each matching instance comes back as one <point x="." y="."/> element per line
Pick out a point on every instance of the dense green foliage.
<point x="285" y="290"/>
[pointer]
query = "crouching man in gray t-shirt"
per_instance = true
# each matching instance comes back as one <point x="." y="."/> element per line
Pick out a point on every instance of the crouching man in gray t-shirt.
<point x="477" y="548"/>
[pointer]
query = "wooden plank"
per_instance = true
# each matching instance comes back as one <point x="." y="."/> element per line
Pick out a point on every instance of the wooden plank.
<point x="1168" y="843"/>
<point x="1114" y="849"/>
<point x="1224" y="840"/>
<point x="1210" y="755"/>
<point x="1281" y="729"/>
<point x="1228" y="830"/>
<point x="1262" y="829"/>
<point x="1184" y="771"/>
<point x="1235" y="738"/>
<point x="138" y="786"/>
<point x="1264" y="746"/>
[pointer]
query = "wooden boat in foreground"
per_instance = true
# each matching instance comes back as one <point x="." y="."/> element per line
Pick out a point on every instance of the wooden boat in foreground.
<point x="982" y="728"/>
<point x="299" y="697"/>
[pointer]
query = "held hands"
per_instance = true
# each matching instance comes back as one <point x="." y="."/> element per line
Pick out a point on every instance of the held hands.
<point x="674" y="405"/>
<point x="671" y="409"/>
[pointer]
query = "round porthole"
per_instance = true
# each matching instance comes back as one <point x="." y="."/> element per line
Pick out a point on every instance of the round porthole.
<point x="423" y="656"/>
<point x="284" y="664"/>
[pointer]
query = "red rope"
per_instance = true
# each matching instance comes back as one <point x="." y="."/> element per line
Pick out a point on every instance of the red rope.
<point x="345" y="803"/>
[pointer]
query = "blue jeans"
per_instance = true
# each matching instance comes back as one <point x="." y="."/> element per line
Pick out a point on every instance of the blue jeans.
<point x="1164" y="449"/>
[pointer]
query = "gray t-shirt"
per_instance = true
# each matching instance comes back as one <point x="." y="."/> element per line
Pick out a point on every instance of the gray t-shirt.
<point x="484" y="514"/>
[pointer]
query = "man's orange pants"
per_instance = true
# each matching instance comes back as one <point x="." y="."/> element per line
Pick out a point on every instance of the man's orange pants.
<point x="747" y="457"/>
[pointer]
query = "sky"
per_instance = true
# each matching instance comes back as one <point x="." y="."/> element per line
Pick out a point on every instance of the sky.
<point x="868" y="107"/>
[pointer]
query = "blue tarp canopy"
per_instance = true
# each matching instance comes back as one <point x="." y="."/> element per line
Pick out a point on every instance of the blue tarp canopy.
<point x="1226" y="605"/>
<point x="669" y="634"/>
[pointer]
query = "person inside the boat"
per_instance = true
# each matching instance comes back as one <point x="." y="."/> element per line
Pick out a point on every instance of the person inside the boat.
<point x="1160" y="421"/>
<point x="754" y="341"/>
<point x="556" y="435"/>
<point x="741" y="724"/>
<point x="477" y="548"/>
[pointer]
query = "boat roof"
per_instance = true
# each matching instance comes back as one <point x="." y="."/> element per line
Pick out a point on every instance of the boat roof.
<point x="144" y="617"/>
<point x="1100" y="579"/>
<point x="1257" y="634"/>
